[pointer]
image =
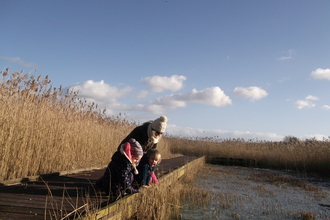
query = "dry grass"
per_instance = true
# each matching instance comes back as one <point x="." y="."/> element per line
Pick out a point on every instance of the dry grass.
<point x="85" y="202"/>
<point x="45" y="129"/>
<point x="282" y="181"/>
<point x="163" y="201"/>
<point x="309" y="156"/>
<point x="307" y="216"/>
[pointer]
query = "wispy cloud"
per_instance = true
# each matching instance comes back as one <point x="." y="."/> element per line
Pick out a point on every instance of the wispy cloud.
<point x="307" y="102"/>
<point x="326" y="107"/>
<point x="210" y="96"/>
<point x="283" y="79"/>
<point x="253" y="93"/>
<point x="311" y="97"/>
<point x="19" y="61"/>
<point x="162" y="83"/>
<point x="321" y="74"/>
<point x="300" y="104"/>
<point x="142" y="94"/>
<point x="288" y="55"/>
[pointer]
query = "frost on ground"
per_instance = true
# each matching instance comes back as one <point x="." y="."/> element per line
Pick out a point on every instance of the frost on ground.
<point x="250" y="193"/>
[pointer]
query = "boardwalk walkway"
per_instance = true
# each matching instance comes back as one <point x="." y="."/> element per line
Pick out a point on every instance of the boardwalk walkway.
<point x="57" y="196"/>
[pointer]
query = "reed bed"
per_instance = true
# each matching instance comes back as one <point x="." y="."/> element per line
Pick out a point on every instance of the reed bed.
<point x="159" y="201"/>
<point x="310" y="155"/>
<point x="163" y="201"/>
<point x="45" y="129"/>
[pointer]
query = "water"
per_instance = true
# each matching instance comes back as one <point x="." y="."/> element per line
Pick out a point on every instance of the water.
<point x="242" y="193"/>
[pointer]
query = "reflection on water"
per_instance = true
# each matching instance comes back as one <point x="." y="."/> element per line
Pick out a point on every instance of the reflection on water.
<point x="235" y="194"/>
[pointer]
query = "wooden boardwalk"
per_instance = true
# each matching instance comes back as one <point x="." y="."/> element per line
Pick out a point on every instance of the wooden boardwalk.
<point x="61" y="195"/>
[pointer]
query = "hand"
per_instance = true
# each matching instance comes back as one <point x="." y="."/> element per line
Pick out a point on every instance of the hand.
<point x="132" y="191"/>
<point x="135" y="191"/>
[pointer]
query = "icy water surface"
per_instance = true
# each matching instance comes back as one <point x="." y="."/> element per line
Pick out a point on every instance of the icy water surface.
<point x="249" y="193"/>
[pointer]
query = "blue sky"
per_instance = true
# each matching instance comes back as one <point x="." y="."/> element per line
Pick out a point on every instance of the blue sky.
<point x="233" y="69"/>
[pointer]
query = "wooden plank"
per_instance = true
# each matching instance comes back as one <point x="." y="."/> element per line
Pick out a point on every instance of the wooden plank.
<point x="56" y="195"/>
<point x="124" y="207"/>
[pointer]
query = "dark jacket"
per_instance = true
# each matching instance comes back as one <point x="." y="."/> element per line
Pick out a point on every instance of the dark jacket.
<point x="144" y="176"/>
<point x="118" y="177"/>
<point x="140" y="134"/>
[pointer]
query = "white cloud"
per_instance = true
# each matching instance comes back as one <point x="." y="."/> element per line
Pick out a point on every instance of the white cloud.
<point x="100" y="90"/>
<point x="171" y="101"/>
<point x="283" y="79"/>
<point x="321" y="74"/>
<point x="210" y="96"/>
<point x="319" y="137"/>
<point x="142" y="94"/>
<point x="162" y="83"/>
<point x="310" y="97"/>
<point x="107" y="96"/>
<point x="253" y="93"/>
<point x="288" y="55"/>
<point x="326" y="107"/>
<point x="154" y="109"/>
<point x="104" y="95"/>
<point x="307" y="103"/>
<point x="300" y="104"/>
<point x="18" y="60"/>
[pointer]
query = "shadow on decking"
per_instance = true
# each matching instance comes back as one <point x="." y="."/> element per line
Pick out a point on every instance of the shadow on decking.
<point x="50" y="197"/>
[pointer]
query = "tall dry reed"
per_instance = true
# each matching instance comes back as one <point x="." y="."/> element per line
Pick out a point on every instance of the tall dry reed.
<point x="45" y="129"/>
<point x="308" y="155"/>
<point x="163" y="201"/>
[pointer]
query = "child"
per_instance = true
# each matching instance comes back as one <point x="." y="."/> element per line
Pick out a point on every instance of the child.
<point x="147" y="167"/>
<point x="118" y="177"/>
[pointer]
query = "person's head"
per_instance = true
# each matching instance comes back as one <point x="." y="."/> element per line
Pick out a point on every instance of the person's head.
<point x="154" y="157"/>
<point x="135" y="150"/>
<point x="157" y="128"/>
